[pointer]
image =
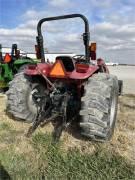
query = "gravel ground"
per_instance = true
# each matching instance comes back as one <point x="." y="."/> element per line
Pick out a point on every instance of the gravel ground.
<point x="127" y="74"/>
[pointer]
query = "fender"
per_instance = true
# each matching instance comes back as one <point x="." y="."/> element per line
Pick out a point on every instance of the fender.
<point x="46" y="68"/>
<point x="24" y="61"/>
<point x="34" y="69"/>
<point x="84" y="75"/>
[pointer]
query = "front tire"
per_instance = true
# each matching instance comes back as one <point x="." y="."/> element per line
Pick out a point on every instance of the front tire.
<point x="99" y="107"/>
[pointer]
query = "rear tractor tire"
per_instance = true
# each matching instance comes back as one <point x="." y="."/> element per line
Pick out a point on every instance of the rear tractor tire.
<point x="99" y="107"/>
<point x="20" y="102"/>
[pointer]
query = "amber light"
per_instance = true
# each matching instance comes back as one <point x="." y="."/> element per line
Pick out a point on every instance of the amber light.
<point x="7" y="58"/>
<point x="93" y="47"/>
<point x="58" y="69"/>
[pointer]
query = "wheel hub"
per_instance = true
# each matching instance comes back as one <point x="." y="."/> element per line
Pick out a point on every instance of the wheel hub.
<point x="34" y="99"/>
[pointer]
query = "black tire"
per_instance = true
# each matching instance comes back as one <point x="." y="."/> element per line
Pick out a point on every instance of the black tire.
<point x="20" y="103"/>
<point x="99" y="107"/>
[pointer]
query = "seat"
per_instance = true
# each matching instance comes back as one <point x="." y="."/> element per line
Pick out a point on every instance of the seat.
<point x="67" y="62"/>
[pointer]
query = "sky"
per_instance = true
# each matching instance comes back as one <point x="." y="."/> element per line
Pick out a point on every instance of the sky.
<point x="112" y="26"/>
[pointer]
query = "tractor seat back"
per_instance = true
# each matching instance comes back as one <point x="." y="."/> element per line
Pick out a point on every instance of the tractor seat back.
<point x="67" y="62"/>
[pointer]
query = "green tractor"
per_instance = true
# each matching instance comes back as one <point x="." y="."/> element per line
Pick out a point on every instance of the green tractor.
<point x="11" y="64"/>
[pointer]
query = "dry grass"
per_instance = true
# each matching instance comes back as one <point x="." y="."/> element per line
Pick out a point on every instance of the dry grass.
<point x="12" y="136"/>
<point x="123" y="141"/>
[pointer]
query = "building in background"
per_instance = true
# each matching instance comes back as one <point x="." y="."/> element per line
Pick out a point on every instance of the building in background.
<point x="48" y="56"/>
<point x="8" y="50"/>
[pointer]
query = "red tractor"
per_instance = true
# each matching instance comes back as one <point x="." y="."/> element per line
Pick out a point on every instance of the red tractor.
<point x="71" y="89"/>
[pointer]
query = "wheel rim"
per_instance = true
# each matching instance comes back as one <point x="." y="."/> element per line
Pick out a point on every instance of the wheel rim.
<point x="113" y="108"/>
<point x="33" y="102"/>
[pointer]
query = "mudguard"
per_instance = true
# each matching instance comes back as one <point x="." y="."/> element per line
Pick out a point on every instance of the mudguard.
<point x="45" y="69"/>
<point x="24" y="61"/>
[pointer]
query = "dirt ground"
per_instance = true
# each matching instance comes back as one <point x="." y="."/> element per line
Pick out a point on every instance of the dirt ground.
<point x="127" y="75"/>
<point x="122" y="143"/>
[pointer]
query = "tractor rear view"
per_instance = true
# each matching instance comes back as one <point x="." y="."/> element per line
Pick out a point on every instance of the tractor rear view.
<point x="68" y="90"/>
<point x="11" y="64"/>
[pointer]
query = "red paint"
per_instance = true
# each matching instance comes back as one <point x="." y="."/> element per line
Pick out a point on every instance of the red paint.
<point x="89" y="72"/>
<point x="44" y="68"/>
<point x="81" y="68"/>
<point x="41" y="68"/>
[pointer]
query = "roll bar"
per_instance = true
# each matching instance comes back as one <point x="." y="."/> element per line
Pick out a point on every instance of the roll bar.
<point x="1" y="59"/>
<point x="86" y="34"/>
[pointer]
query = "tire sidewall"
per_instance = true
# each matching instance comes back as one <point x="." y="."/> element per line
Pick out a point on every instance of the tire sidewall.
<point x="114" y="97"/>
